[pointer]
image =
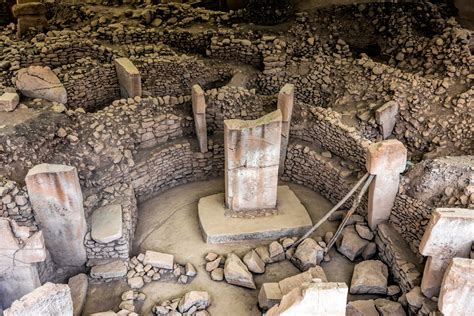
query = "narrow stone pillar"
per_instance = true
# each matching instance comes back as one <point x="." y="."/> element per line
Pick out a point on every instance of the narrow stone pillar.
<point x="18" y="253"/>
<point x="252" y="157"/>
<point x="128" y="77"/>
<point x="29" y="13"/>
<point x="286" y="99"/>
<point x="449" y="234"/>
<point x="199" y="111"/>
<point x="56" y="198"/>
<point x="386" y="117"/>
<point x="49" y="299"/>
<point x="386" y="160"/>
<point x="457" y="288"/>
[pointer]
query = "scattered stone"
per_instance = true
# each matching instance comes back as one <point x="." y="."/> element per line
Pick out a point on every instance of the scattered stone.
<point x="253" y="262"/>
<point x="217" y="274"/>
<point x="350" y="244"/>
<point x="9" y="102"/>
<point x="42" y="83"/>
<point x="190" y="270"/>
<point x="369" y="277"/>
<point x="114" y="269"/>
<point x="389" y="308"/>
<point x="198" y="299"/>
<point x="159" y="260"/>
<point x="361" y="308"/>
<point x="269" y="295"/>
<point x="78" y="285"/>
<point x="136" y="282"/>
<point x="308" y="254"/>
<point x="236" y="272"/>
<point x="276" y="252"/>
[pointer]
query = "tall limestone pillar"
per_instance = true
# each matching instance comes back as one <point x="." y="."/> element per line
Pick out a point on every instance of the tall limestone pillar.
<point x="56" y="198"/>
<point x="199" y="111"/>
<point x="252" y="157"/>
<point x="286" y="99"/>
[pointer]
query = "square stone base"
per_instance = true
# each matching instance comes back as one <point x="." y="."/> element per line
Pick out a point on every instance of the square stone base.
<point x="292" y="220"/>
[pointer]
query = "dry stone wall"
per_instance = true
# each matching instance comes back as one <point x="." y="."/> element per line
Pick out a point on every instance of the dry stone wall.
<point x="15" y="204"/>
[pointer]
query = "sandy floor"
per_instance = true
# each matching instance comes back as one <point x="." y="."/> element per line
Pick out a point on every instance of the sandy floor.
<point x="169" y="223"/>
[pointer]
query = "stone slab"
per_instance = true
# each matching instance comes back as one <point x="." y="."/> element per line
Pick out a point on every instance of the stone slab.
<point x="128" y="77"/>
<point x="47" y="300"/>
<point x="114" y="269"/>
<point x="457" y="290"/>
<point x="78" y="285"/>
<point x="107" y="223"/>
<point x="159" y="259"/>
<point x="292" y="220"/>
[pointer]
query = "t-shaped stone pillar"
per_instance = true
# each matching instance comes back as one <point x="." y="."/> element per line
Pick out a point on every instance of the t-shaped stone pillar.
<point x="252" y="157"/>
<point x="18" y="253"/>
<point x="386" y="160"/>
<point x="286" y="99"/>
<point x="199" y="111"/>
<point x="56" y="198"/>
<point x="457" y="290"/>
<point x="449" y="234"/>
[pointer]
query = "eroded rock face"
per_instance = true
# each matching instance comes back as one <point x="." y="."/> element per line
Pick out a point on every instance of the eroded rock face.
<point x="42" y="83"/>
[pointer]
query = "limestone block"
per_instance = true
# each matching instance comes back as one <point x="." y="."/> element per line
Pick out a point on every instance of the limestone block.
<point x="9" y="102"/>
<point x="288" y="284"/>
<point x="236" y="272"/>
<point x="308" y="254"/>
<point x="386" y="117"/>
<point x="369" y="277"/>
<point x="252" y="150"/>
<point x="114" y="269"/>
<point x="441" y="244"/>
<point x="107" y="223"/>
<point x="25" y="22"/>
<point x="286" y="99"/>
<point x="47" y="300"/>
<point x="457" y="289"/>
<point x="78" y="285"/>
<point x="316" y="298"/>
<point x="57" y="202"/>
<point x="30" y="8"/>
<point x="386" y="157"/>
<point x="389" y="308"/>
<point x="17" y="281"/>
<point x="128" y="77"/>
<point x="351" y="244"/>
<point x="40" y="82"/>
<point x="159" y="260"/>
<point x="199" y="111"/>
<point x="269" y="295"/>
<point x="253" y="262"/>
<point x="198" y="299"/>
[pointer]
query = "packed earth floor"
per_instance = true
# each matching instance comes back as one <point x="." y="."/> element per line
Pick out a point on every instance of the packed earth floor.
<point x="121" y="123"/>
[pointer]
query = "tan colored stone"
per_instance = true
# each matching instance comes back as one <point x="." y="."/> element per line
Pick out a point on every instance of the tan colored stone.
<point x="25" y="22"/>
<point x="129" y="78"/>
<point x="441" y="244"/>
<point x="457" y="289"/>
<point x="252" y="150"/>
<point x="30" y="8"/>
<point x="9" y="102"/>
<point x="199" y="111"/>
<point x="286" y="99"/>
<point x="386" y="117"/>
<point x="40" y="82"/>
<point x="56" y="199"/>
<point x="269" y="295"/>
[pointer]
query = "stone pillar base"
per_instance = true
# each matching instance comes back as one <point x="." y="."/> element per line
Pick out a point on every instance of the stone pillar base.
<point x="292" y="219"/>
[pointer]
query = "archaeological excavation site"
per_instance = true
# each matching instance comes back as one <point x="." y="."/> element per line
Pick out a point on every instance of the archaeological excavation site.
<point x="237" y="157"/>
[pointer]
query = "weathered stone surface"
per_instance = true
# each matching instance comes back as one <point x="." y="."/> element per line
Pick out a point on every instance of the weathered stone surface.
<point x="25" y="22"/>
<point x="269" y="295"/>
<point x="386" y="117"/>
<point x="78" y="285"/>
<point x="457" y="289"/>
<point x="364" y="232"/>
<point x="290" y="283"/>
<point x="107" y="223"/>
<point x="236" y="272"/>
<point x="56" y="198"/>
<point x="114" y="269"/>
<point x="415" y="298"/>
<point x="252" y="155"/>
<point x="40" y="82"/>
<point x="389" y="308"/>
<point x="31" y="8"/>
<point x="198" y="299"/>
<point x="315" y="298"/>
<point x="385" y="159"/>
<point x="441" y="244"/>
<point x="276" y="251"/>
<point x="292" y="219"/>
<point x="9" y="102"/>
<point x="129" y="78"/>
<point x="286" y="99"/>
<point x="199" y="111"/>
<point x="361" y="308"/>
<point x="369" y="277"/>
<point x="217" y="274"/>
<point x="350" y="244"/>
<point x="253" y="262"/>
<point x="47" y="300"/>
<point x="159" y="259"/>
<point x="308" y="254"/>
